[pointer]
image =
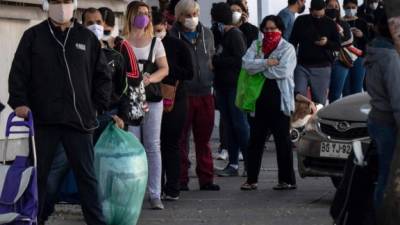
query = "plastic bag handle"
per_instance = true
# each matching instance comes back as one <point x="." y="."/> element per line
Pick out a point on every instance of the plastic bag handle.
<point x="28" y="123"/>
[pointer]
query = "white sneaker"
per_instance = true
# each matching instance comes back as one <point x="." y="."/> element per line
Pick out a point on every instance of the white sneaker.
<point x="241" y="157"/>
<point x="223" y="155"/>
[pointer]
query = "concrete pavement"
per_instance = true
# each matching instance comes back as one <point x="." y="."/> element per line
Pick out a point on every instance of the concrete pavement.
<point x="308" y="205"/>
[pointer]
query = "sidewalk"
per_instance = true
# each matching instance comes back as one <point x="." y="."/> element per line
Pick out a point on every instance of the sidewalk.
<point x="308" y="205"/>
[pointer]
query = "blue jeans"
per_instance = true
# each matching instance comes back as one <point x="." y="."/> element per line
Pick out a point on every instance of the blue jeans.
<point x="338" y="79"/>
<point x="355" y="79"/>
<point x="236" y="124"/>
<point x="385" y="139"/>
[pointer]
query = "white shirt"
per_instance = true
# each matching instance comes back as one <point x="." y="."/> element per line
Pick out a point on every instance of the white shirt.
<point x="143" y="52"/>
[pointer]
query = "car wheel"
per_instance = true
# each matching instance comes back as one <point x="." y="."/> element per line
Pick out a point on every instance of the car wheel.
<point x="336" y="181"/>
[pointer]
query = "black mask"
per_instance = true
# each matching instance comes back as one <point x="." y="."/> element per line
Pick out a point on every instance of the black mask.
<point x="332" y="13"/>
<point x="302" y="9"/>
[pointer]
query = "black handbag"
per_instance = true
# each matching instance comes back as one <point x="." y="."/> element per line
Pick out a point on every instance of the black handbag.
<point x="153" y="91"/>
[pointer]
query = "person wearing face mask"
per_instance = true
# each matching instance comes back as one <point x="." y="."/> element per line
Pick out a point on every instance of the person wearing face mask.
<point x="239" y="19"/>
<point x="153" y="65"/>
<point x="288" y="15"/>
<point x="316" y="37"/>
<point x="339" y="70"/>
<point x="110" y="31"/>
<point x="200" y="117"/>
<point x="359" y="28"/>
<point x="181" y="69"/>
<point x="370" y="11"/>
<point x="273" y="56"/>
<point x="227" y="65"/>
<point x="69" y="58"/>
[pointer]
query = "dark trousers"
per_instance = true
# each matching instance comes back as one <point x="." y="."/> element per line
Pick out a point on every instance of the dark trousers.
<point x="171" y="131"/>
<point x="200" y="120"/>
<point x="270" y="118"/>
<point x="79" y="150"/>
<point x="236" y="124"/>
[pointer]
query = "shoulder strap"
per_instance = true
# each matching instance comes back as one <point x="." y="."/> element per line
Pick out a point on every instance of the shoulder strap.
<point x="153" y="43"/>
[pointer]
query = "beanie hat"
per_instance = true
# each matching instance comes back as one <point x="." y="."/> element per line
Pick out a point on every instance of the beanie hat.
<point x="221" y="13"/>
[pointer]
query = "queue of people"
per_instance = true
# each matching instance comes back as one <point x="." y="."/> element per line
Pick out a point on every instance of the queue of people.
<point x="164" y="76"/>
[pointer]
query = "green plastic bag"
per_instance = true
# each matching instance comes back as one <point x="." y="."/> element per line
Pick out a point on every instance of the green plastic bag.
<point x="121" y="169"/>
<point x="248" y="90"/>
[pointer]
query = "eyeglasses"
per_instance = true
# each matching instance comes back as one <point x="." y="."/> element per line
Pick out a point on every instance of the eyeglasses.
<point x="60" y="1"/>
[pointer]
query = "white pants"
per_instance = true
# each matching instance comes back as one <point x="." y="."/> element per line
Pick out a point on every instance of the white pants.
<point x="151" y="129"/>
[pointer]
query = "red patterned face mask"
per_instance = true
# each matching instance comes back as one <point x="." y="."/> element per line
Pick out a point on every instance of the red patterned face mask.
<point x="270" y="42"/>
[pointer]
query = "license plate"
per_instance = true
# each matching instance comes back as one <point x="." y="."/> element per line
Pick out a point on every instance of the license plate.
<point x="335" y="150"/>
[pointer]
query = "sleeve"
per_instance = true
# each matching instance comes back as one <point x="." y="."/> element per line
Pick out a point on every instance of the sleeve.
<point x="20" y="73"/>
<point x="211" y="44"/>
<point x="159" y="50"/>
<point x="250" y="62"/>
<point x="101" y="80"/>
<point x="346" y="31"/>
<point x="183" y="68"/>
<point x="334" y="39"/>
<point x="285" y="69"/>
<point x="238" y="49"/>
<point x="286" y="21"/>
<point x="294" y="37"/>
<point x="392" y="82"/>
<point x="123" y="106"/>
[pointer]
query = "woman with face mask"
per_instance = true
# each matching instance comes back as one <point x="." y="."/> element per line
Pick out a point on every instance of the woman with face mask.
<point x="339" y="70"/>
<point x="359" y="29"/>
<point x="239" y="19"/>
<point x="276" y="59"/>
<point x="153" y="66"/>
<point x="200" y="117"/>
<point x="180" y="70"/>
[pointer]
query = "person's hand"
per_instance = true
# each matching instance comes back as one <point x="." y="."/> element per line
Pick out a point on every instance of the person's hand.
<point x="245" y="17"/>
<point x="357" y="33"/>
<point x="271" y="62"/>
<point x="146" y="79"/>
<point x="118" y="122"/>
<point x="22" y="111"/>
<point x="313" y="108"/>
<point x="322" y="41"/>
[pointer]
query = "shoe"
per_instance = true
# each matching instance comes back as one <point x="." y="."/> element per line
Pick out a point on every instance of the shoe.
<point x="241" y="157"/>
<point x="171" y="198"/>
<point x="156" y="204"/>
<point x="244" y="174"/>
<point x="284" y="186"/>
<point x="248" y="187"/>
<point x="229" y="171"/>
<point x="222" y="155"/>
<point x="210" y="187"/>
<point x="184" y="187"/>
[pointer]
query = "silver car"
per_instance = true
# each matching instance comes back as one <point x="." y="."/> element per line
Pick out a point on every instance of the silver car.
<point x="330" y="136"/>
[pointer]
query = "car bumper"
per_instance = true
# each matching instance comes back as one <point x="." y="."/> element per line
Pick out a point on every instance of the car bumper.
<point x="311" y="164"/>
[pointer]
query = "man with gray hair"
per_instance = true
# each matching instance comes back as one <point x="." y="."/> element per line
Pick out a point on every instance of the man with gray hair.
<point x="200" y="117"/>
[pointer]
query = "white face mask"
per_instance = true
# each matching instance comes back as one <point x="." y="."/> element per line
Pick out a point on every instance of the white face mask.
<point x="161" y="34"/>
<point x="236" y="17"/>
<point x="350" y="12"/>
<point x="61" y="13"/>
<point x="191" y="23"/>
<point x="98" y="30"/>
<point x="374" y="5"/>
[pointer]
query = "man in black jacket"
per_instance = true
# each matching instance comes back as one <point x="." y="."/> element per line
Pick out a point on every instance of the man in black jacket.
<point x="60" y="74"/>
<point x="316" y="38"/>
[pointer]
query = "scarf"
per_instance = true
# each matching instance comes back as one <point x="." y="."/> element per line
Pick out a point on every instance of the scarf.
<point x="270" y="42"/>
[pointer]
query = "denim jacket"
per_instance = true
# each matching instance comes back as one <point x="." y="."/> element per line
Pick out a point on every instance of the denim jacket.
<point x="254" y="62"/>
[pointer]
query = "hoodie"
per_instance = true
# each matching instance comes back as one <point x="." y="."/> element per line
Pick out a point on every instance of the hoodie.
<point x="202" y="51"/>
<point x="382" y="63"/>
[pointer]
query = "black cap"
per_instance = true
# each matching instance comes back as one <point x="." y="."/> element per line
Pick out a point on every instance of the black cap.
<point x="221" y="13"/>
<point x="317" y="4"/>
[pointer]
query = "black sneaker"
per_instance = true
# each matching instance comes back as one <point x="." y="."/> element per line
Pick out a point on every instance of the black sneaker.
<point x="284" y="186"/>
<point x="210" y="187"/>
<point x="229" y="171"/>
